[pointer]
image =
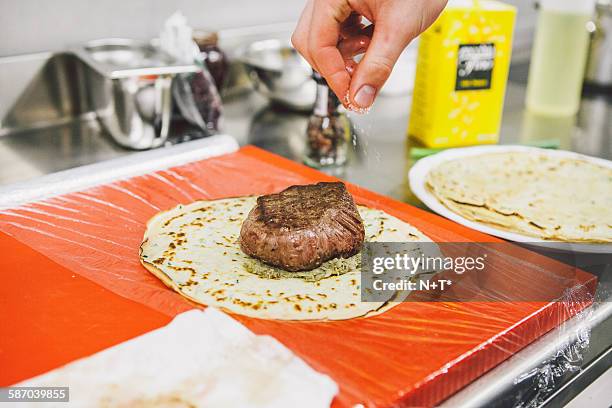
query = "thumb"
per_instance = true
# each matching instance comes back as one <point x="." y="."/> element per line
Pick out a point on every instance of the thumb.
<point x="373" y="70"/>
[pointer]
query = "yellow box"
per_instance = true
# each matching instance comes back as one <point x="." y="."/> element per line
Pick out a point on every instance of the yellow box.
<point x="462" y="70"/>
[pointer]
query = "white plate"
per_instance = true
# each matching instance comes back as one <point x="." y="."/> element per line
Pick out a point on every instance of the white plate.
<point x="419" y="171"/>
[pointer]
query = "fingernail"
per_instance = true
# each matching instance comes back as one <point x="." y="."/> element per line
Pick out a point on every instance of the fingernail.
<point x="365" y="96"/>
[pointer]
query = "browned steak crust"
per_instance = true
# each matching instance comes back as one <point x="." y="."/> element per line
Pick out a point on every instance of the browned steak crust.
<point x="303" y="226"/>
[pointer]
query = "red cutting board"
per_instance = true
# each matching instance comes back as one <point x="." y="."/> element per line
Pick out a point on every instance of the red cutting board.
<point x="72" y="285"/>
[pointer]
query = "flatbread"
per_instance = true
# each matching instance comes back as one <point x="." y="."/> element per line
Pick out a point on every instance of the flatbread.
<point x="533" y="193"/>
<point x="194" y="249"/>
<point x="202" y="359"/>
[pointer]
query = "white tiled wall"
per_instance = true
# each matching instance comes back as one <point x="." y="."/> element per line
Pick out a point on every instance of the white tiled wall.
<point x="38" y="25"/>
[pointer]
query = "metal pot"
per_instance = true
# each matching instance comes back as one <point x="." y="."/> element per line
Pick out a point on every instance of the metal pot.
<point x="130" y="86"/>
<point x="280" y="73"/>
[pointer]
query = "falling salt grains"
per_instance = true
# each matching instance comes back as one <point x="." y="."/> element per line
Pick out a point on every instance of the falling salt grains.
<point x="363" y="142"/>
<point x="358" y="129"/>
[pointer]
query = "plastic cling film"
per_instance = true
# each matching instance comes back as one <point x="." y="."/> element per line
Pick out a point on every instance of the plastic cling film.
<point x="135" y="164"/>
<point x="541" y="369"/>
<point x="568" y="346"/>
<point x="417" y="353"/>
<point x="543" y="379"/>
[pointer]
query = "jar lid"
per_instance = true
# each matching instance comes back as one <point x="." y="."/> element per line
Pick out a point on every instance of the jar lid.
<point x="205" y="38"/>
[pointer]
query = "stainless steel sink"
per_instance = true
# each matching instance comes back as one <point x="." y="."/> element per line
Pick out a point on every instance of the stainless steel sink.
<point x="46" y="124"/>
<point x="40" y="90"/>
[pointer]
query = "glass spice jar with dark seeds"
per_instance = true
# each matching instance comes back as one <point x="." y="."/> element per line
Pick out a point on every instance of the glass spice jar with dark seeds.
<point x="214" y="57"/>
<point x="329" y="129"/>
<point x="206" y="99"/>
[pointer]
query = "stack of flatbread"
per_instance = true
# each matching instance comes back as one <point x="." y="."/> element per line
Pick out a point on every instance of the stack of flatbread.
<point x="201" y="359"/>
<point x="537" y="194"/>
<point x="195" y="250"/>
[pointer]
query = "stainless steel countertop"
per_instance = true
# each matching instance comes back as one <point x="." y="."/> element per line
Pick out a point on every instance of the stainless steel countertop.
<point x="380" y="162"/>
<point x="381" y="159"/>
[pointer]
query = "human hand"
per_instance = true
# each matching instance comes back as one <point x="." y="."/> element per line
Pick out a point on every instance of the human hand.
<point x="331" y="32"/>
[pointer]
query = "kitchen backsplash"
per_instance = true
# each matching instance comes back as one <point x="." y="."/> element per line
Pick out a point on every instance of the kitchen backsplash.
<point x="39" y="25"/>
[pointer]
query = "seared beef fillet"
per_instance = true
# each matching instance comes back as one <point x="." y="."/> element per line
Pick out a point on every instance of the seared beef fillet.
<point x="303" y="226"/>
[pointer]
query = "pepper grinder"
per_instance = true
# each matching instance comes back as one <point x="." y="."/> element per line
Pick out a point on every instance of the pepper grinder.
<point x="329" y="129"/>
